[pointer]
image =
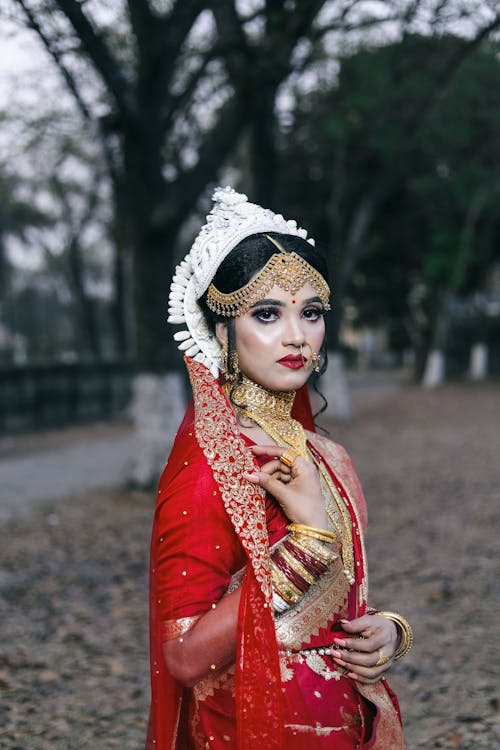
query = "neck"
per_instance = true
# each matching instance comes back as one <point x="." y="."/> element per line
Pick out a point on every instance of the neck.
<point x="251" y="395"/>
<point x="272" y="411"/>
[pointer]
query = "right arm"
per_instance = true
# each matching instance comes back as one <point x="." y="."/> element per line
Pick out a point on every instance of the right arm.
<point x="208" y="646"/>
<point x="197" y="551"/>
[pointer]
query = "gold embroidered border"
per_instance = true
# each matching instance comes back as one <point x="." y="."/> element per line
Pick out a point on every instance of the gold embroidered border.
<point x="206" y="687"/>
<point x="218" y="435"/>
<point x="389" y="733"/>
<point x="336" y="456"/>
<point x="170" y="629"/>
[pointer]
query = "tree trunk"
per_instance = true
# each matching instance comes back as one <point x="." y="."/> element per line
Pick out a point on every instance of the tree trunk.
<point x="479" y="356"/>
<point x="435" y="366"/>
<point x="87" y="329"/>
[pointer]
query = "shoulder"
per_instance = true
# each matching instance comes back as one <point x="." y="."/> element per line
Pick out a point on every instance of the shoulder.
<point x="186" y="468"/>
<point x="339" y="461"/>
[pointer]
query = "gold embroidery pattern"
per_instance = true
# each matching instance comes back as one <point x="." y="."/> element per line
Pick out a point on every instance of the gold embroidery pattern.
<point x="317" y="729"/>
<point x="327" y="598"/>
<point x="338" y="460"/>
<point x="196" y="731"/>
<point x="314" y="661"/>
<point x="206" y="687"/>
<point x="174" y="628"/>
<point x="218" y="435"/>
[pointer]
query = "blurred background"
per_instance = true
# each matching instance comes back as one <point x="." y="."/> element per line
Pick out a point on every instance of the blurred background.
<point x="375" y="125"/>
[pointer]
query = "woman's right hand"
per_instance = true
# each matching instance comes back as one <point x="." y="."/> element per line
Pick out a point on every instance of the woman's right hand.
<point x="296" y="488"/>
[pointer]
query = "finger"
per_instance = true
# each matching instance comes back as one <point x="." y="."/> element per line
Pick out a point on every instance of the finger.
<point x="276" y="451"/>
<point x="357" y="671"/>
<point x="366" y="644"/>
<point x="268" y="483"/>
<point x="271" y="467"/>
<point x="355" y="658"/>
<point x="267" y="450"/>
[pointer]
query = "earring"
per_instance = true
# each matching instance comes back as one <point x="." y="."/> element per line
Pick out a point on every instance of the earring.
<point x="230" y="365"/>
<point x="313" y="360"/>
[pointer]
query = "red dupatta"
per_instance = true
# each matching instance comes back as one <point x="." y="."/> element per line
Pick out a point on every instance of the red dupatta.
<point x="210" y="425"/>
<point x="258" y="682"/>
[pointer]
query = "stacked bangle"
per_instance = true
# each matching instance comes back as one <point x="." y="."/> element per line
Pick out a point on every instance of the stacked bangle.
<point x="312" y="564"/>
<point x="317" y="549"/>
<point x="284" y="587"/>
<point x="299" y="562"/>
<point x="404" y="629"/>
<point x="322" y="534"/>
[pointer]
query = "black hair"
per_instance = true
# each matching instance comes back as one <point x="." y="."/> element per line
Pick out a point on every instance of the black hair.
<point x="243" y="262"/>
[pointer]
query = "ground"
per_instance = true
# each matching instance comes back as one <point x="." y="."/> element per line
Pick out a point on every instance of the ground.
<point x="73" y="583"/>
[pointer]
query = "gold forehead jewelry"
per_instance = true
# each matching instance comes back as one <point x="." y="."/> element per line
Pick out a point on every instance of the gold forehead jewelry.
<point x="288" y="271"/>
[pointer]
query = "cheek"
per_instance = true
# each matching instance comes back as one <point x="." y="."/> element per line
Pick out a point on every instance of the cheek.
<point x="258" y="337"/>
<point x="317" y="334"/>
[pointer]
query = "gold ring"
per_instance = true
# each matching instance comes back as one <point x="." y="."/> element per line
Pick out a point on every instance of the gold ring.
<point x="288" y="457"/>
<point x="382" y="659"/>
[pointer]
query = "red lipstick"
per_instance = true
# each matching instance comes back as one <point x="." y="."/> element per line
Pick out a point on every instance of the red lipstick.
<point x="293" y="361"/>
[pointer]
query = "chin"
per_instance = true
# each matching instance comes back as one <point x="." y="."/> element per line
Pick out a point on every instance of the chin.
<point x="286" y="381"/>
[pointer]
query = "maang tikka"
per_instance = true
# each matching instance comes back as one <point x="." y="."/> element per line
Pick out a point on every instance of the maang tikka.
<point x="288" y="271"/>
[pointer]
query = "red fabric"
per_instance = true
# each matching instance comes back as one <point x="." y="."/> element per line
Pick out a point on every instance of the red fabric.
<point x="200" y="540"/>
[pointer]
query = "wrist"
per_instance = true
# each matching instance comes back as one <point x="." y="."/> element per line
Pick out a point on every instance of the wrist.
<point x="404" y="640"/>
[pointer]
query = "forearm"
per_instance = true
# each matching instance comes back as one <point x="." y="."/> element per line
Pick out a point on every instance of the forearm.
<point x="209" y="646"/>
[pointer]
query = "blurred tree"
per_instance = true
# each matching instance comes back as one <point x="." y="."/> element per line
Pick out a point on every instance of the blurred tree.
<point x="175" y="87"/>
<point x="410" y="133"/>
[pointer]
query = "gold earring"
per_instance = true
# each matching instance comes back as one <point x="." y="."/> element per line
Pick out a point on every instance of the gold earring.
<point x="230" y="365"/>
<point x="313" y="360"/>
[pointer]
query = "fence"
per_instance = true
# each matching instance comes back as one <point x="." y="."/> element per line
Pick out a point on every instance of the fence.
<point x="33" y="397"/>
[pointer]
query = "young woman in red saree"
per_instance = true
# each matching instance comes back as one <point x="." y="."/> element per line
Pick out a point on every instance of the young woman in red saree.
<point x="260" y="631"/>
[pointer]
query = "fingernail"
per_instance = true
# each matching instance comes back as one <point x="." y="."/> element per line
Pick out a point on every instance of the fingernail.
<point x="340" y="641"/>
<point x="344" y="621"/>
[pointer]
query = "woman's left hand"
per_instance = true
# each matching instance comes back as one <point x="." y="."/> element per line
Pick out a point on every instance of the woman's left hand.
<point x="373" y="652"/>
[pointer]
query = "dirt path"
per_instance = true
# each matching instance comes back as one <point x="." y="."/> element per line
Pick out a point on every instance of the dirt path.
<point x="73" y="585"/>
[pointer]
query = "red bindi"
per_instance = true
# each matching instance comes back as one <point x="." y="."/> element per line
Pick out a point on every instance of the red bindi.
<point x="293" y="302"/>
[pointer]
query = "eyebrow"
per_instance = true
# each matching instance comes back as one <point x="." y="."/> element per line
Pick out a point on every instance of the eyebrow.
<point x="279" y="303"/>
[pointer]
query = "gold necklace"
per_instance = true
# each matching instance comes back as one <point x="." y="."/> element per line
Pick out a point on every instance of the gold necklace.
<point x="271" y="410"/>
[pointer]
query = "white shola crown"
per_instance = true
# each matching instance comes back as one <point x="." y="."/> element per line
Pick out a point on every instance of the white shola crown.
<point x="231" y="219"/>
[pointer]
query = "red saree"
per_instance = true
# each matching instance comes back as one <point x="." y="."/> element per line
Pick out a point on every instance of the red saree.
<point x="212" y="533"/>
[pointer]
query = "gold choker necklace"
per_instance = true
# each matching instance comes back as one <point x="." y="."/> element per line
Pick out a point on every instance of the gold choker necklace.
<point x="272" y="411"/>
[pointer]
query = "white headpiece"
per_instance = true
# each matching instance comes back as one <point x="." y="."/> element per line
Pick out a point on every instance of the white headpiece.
<point x="231" y="219"/>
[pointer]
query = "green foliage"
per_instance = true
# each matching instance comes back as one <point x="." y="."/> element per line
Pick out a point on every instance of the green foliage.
<point x="437" y="225"/>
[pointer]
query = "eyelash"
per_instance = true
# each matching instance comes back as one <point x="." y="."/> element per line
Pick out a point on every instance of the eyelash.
<point x="275" y="311"/>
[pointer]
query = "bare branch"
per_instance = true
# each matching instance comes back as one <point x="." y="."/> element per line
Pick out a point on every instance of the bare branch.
<point x="172" y="34"/>
<point x="53" y="51"/>
<point x="104" y="62"/>
<point x="215" y="148"/>
<point x="238" y="56"/>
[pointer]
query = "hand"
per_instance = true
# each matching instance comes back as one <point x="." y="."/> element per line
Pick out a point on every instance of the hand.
<point x="296" y="488"/>
<point x="379" y="640"/>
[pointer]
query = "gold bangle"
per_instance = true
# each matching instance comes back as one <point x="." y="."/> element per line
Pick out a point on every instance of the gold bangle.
<point x="315" y="548"/>
<point x="297" y="566"/>
<point x="404" y="628"/>
<point x="322" y="534"/>
<point x="284" y="587"/>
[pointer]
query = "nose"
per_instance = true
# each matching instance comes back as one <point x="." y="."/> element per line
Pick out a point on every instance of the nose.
<point x="294" y="334"/>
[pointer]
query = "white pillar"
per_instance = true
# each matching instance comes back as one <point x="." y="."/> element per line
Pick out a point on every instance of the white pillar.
<point x="158" y="406"/>
<point x="434" y="374"/>
<point x="335" y="388"/>
<point x="478" y="367"/>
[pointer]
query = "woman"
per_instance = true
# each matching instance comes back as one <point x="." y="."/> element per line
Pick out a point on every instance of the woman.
<point x="259" y="623"/>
